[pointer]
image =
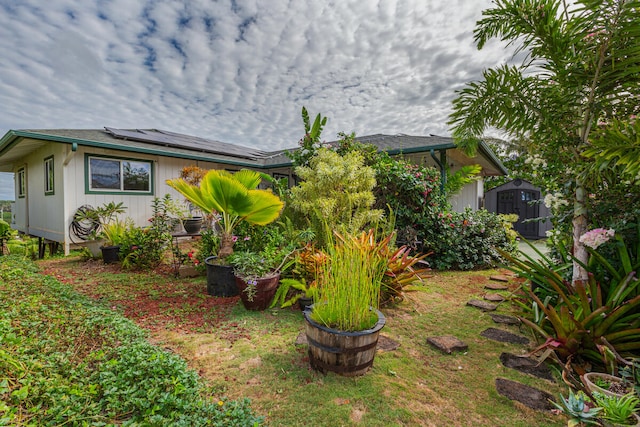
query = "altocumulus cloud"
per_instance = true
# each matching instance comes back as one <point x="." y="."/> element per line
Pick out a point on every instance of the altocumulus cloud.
<point x="238" y="71"/>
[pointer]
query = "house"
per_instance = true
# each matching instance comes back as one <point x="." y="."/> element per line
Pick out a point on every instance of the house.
<point x="524" y="199"/>
<point x="58" y="171"/>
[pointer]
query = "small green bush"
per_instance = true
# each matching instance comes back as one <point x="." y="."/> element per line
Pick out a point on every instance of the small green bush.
<point x="66" y="361"/>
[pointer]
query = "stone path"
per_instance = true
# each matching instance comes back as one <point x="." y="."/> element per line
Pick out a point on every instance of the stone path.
<point x="527" y="395"/>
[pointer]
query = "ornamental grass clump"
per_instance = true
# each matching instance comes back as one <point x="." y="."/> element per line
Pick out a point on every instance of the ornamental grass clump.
<point x="351" y="282"/>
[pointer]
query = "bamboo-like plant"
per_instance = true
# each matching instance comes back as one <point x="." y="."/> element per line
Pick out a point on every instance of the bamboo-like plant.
<point x="351" y="282"/>
<point x="235" y="197"/>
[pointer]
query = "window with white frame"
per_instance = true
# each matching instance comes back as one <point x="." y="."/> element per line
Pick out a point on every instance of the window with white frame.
<point x="48" y="176"/>
<point x="21" y="181"/>
<point x="109" y="174"/>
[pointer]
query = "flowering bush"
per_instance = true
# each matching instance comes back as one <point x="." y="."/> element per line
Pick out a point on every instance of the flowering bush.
<point x="467" y="240"/>
<point x="411" y="191"/>
<point x="596" y="237"/>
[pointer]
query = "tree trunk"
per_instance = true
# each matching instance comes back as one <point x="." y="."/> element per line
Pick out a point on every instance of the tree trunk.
<point x="226" y="245"/>
<point x="580" y="224"/>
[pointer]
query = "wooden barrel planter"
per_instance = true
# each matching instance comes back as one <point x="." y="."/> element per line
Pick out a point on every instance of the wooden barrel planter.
<point x="266" y="288"/>
<point x="348" y="354"/>
<point x="220" y="279"/>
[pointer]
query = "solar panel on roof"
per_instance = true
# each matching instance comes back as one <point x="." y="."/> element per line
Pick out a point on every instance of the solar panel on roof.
<point x="177" y="140"/>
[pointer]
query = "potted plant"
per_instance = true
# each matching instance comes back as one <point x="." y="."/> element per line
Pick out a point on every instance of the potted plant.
<point x="257" y="275"/>
<point x="234" y="197"/>
<point x="88" y="222"/>
<point x="342" y="327"/>
<point x="604" y="384"/>
<point x="618" y="410"/>
<point x="112" y="234"/>
<point x="578" y="408"/>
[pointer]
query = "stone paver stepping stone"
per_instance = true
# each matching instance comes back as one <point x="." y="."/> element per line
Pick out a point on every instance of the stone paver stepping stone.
<point x="496" y="287"/>
<point x="526" y="365"/>
<point x="528" y="396"/>
<point x="500" y="278"/>
<point x="482" y="305"/>
<point x="504" y="319"/>
<point x="387" y="344"/>
<point x="504" y="336"/>
<point x="447" y="344"/>
<point x="494" y="297"/>
<point x="302" y="338"/>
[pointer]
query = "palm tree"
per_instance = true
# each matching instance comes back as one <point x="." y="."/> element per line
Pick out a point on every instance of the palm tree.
<point x="235" y="198"/>
<point x="582" y="65"/>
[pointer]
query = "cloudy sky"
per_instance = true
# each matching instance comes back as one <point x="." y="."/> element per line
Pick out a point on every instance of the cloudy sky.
<point x="238" y="71"/>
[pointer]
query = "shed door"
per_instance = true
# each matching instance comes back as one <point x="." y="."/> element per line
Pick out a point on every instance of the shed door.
<point x="521" y="203"/>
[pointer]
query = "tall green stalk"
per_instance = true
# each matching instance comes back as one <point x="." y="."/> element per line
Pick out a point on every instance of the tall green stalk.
<point x="350" y="290"/>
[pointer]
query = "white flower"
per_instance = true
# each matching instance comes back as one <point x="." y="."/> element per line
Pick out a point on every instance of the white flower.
<point x="596" y="237"/>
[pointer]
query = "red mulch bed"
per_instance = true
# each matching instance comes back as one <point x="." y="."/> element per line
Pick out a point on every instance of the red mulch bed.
<point x="155" y="300"/>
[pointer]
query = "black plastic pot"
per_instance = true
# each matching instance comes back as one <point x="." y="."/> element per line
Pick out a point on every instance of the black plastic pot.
<point x="221" y="281"/>
<point x="305" y="302"/>
<point x="192" y="225"/>
<point x="110" y="254"/>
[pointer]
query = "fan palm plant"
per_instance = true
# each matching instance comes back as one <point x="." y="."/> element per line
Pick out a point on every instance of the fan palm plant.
<point x="235" y="197"/>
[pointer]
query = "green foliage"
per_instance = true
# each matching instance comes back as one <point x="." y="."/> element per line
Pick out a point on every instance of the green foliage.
<point x="410" y="191"/>
<point x="350" y="283"/>
<point x="618" y="409"/>
<point x="260" y="250"/>
<point x="235" y="198"/>
<point x="457" y="180"/>
<point x="5" y="231"/>
<point x="307" y="290"/>
<point x="144" y="248"/>
<point x="577" y="409"/>
<point x="310" y="142"/>
<point x="336" y="191"/>
<point x="584" y="319"/>
<point x="579" y="74"/>
<point x="66" y="361"/>
<point x="114" y="231"/>
<point x="467" y="240"/>
<point x="618" y="145"/>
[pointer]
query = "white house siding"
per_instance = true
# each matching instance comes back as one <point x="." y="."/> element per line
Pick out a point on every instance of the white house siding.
<point x="470" y="197"/>
<point x="37" y="214"/>
<point x="19" y="208"/>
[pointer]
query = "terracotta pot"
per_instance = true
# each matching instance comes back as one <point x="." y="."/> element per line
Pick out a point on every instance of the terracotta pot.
<point x="590" y="378"/>
<point x="265" y="289"/>
<point x="346" y="353"/>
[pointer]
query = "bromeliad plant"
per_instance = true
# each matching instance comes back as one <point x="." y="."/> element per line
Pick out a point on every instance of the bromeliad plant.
<point x="594" y="319"/>
<point x="233" y="196"/>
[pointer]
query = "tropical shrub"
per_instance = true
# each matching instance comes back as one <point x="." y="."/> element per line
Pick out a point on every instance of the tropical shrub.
<point x="596" y="320"/>
<point x="467" y="240"/>
<point x="234" y="198"/>
<point x="409" y="190"/>
<point x="145" y="247"/>
<point x="336" y="192"/>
